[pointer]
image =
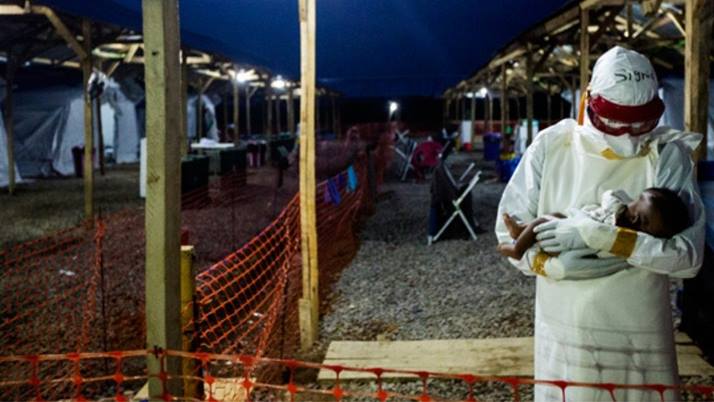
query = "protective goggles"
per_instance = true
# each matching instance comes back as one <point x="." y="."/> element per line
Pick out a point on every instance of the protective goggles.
<point x="614" y="119"/>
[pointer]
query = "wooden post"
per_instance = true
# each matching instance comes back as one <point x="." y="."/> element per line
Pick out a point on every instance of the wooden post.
<point x="309" y="304"/>
<point x="504" y="99"/>
<point x="225" y="114"/>
<point x="100" y="134"/>
<point x="236" y="114"/>
<point x="188" y="289"/>
<point x="184" y="103"/>
<point x="248" y="94"/>
<point x="88" y="168"/>
<point x="291" y="111"/>
<point x="199" y="114"/>
<point x="11" y="67"/>
<point x="699" y="16"/>
<point x="447" y="107"/>
<point x="584" y="53"/>
<point x="628" y="11"/>
<point x="335" y="129"/>
<point x="529" y="96"/>
<point x="473" y="105"/>
<point x="278" y="114"/>
<point x="549" y="105"/>
<point x="318" y="123"/>
<point x="269" y="109"/>
<point x="490" y="113"/>
<point x="162" y="74"/>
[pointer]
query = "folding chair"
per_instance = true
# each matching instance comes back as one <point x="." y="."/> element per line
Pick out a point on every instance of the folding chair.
<point x="408" y="146"/>
<point x="457" y="202"/>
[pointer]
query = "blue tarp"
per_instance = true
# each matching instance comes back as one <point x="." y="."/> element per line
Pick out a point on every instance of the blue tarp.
<point x="364" y="47"/>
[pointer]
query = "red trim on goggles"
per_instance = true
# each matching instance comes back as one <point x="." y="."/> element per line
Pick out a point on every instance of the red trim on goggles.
<point x="634" y="130"/>
<point x="651" y="110"/>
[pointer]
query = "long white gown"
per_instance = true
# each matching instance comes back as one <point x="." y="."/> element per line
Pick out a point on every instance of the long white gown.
<point x="617" y="328"/>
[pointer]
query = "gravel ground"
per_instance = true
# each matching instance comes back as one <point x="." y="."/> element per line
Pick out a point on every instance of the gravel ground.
<point x="398" y="288"/>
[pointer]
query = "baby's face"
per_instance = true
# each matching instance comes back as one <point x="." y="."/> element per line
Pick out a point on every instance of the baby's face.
<point x="642" y="216"/>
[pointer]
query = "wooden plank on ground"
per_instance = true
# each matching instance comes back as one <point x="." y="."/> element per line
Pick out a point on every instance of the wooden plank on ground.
<point x="224" y="389"/>
<point x="495" y="356"/>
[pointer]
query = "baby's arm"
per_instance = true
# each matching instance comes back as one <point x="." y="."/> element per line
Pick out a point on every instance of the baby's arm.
<point x="526" y="238"/>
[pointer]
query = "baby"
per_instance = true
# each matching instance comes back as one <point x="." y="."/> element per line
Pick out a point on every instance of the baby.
<point x="658" y="211"/>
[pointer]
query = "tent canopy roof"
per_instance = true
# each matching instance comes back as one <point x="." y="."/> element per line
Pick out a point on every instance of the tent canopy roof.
<point x="365" y="47"/>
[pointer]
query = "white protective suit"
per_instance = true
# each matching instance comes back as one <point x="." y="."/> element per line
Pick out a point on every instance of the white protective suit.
<point x="615" y="328"/>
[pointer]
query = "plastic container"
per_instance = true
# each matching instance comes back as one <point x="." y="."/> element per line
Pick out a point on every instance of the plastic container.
<point x="491" y="146"/>
<point x="506" y="167"/>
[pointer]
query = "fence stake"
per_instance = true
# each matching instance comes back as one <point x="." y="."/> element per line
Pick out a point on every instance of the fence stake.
<point x="188" y="289"/>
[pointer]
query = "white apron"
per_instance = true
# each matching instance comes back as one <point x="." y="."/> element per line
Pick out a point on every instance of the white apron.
<point x="615" y="329"/>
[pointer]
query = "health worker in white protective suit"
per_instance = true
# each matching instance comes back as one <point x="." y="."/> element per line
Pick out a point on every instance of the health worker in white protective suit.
<point x="607" y="319"/>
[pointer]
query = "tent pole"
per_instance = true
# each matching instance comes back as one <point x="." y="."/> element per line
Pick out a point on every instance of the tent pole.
<point x="199" y="114"/>
<point x="88" y="168"/>
<point x="699" y="17"/>
<point x="490" y="113"/>
<point x="309" y="303"/>
<point x="584" y="52"/>
<point x="100" y="134"/>
<point x="269" y="109"/>
<point x="248" y="95"/>
<point x="504" y="99"/>
<point x="334" y="115"/>
<point x="278" y="115"/>
<point x="291" y="111"/>
<point x="225" y="114"/>
<point x="236" y="114"/>
<point x="9" y="123"/>
<point x="163" y="195"/>
<point x="529" y="95"/>
<point x="184" y="103"/>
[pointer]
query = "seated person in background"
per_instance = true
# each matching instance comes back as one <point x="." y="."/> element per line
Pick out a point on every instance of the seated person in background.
<point x="658" y="211"/>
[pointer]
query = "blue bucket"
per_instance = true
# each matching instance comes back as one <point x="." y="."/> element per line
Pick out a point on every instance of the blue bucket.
<point x="506" y="167"/>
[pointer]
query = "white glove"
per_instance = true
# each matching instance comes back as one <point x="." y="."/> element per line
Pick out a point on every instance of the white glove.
<point x="582" y="264"/>
<point x="559" y="235"/>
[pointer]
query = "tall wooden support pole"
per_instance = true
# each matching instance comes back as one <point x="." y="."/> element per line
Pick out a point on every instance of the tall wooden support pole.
<point x="335" y="128"/>
<point x="529" y="97"/>
<point x="278" y="114"/>
<point x="184" y="103"/>
<point x="628" y="12"/>
<point x="473" y="104"/>
<point x="447" y="109"/>
<point x="100" y="133"/>
<point x="199" y="114"/>
<point x="236" y="114"/>
<point x="225" y="113"/>
<point x="699" y="15"/>
<point x="309" y="303"/>
<point x="504" y="99"/>
<point x="489" y="124"/>
<point x="318" y="123"/>
<point x="11" y="67"/>
<point x="549" y="104"/>
<point x="162" y="74"/>
<point x="291" y="111"/>
<point x="248" y="96"/>
<point x="88" y="168"/>
<point x="269" y="110"/>
<point x="584" y="54"/>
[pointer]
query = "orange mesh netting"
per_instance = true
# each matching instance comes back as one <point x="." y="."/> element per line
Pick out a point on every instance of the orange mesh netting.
<point x="229" y="377"/>
<point x="82" y="289"/>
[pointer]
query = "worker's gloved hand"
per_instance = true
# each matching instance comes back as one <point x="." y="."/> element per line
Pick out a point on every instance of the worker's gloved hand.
<point x="582" y="264"/>
<point x="559" y="235"/>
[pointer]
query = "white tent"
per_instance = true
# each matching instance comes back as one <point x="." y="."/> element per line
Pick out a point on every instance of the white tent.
<point x="4" y="169"/>
<point x="49" y="122"/>
<point x="672" y="93"/>
<point x="209" y="118"/>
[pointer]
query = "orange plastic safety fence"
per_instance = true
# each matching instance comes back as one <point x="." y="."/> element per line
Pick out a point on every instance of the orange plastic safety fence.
<point x="227" y="377"/>
<point x="82" y="289"/>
